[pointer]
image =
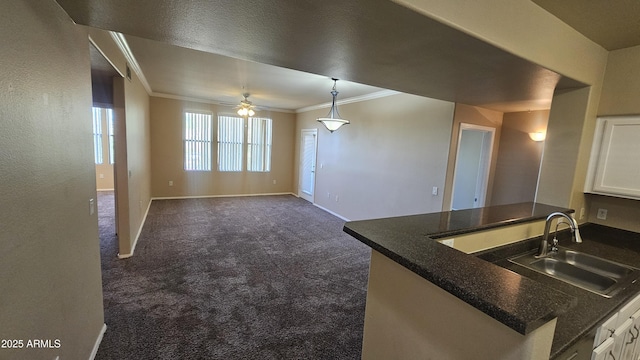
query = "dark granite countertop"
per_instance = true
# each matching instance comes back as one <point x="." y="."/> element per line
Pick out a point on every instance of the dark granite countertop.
<point x="449" y="223"/>
<point x="591" y="309"/>
<point x="517" y="297"/>
<point x="408" y="240"/>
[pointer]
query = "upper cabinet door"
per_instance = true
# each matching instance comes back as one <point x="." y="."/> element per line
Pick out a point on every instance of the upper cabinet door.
<point x="617" y="170"/>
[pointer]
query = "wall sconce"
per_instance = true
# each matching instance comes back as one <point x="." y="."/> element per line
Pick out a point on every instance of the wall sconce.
<point x="538" y="136"/>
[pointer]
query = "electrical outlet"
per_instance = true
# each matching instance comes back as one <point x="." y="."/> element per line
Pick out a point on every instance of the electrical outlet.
<point x="434" y="191"/>
<point x="274" y="182"/>
<point x="170" y="182"/>
<point x="92" y="206"/>
<point x="602" y="214"/>
<point x="101" y="176"/>
<point x="337" y="198"/>
<point x="448" y="242"/>
<point x="581" y="213"/>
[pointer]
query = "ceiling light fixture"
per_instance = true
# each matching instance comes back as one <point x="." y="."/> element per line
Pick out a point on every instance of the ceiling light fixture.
<point x="246" y="108"/>
<point x="333" y="121"/>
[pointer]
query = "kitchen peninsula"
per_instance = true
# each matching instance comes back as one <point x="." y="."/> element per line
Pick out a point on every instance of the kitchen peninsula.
<point x="428" y="300"/>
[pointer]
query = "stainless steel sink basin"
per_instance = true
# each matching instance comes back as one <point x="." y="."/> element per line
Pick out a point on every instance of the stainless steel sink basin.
<point x="594" y="264"/>
<point x="601" y="276"/>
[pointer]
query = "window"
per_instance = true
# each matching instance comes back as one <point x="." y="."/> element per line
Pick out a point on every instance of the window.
<point x="97" y="135"/>
<point x="259" y="145"/>
<point x="230" y="143"/>
<point x="111" y="133"/>
<point x="197" y="141"/>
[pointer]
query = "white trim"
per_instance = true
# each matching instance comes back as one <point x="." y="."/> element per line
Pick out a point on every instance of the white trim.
<point x="126" y="51"/>
<point x="483" y="182"/>
<point x="104" y="189"/>
<point x="372" y="96"/>
<point x="216" y="196"/>
<point x="135" y="241"/>
<point x="331" y="212"/>
<point x="214" y="102"/>
<point x="97" y="343"/>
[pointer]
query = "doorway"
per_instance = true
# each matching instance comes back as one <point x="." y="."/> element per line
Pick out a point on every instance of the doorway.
<point x="307" y="175"/>
<point x="105" y="119"/>
<point x="473" y="163"/>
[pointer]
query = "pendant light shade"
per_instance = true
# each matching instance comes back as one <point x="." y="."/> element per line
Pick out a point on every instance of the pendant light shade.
<point x="333" y="121"/>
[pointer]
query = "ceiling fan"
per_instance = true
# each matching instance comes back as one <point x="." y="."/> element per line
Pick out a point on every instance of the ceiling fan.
<point x="246" y="108"/>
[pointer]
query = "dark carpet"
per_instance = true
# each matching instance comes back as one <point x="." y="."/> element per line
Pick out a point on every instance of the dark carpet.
<point x="270" y="277"/>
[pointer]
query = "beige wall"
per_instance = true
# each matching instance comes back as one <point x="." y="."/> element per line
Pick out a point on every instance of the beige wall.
<point x="386" y="161"/>
<point x="518" y="161"/>
<point x="409" y="318"/>
<point x="476" y="116"/>
<point x="50" y="260"/>
<point x="621" y="83"/>
<point x="167" y="155"/>
<point x="619" y="97"/>
<point x="104" y="176"/>
<point x="132" y="142"/>
<point x="138" y="141"/>
<point x="523" y="28"/>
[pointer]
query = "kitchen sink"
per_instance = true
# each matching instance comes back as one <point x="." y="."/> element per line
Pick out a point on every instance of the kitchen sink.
<point x="598" y="275"/>
<point x="594" y="264"/>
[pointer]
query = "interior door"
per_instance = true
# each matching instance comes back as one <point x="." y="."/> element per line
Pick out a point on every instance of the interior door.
<point x="308" y="148"/>
<point x="473" y="161"/>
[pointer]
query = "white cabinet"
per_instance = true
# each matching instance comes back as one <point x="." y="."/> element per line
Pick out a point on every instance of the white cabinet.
<point x="614" y="168"/>
<point x="617" y="338"/>
<point x="604" y="351"/>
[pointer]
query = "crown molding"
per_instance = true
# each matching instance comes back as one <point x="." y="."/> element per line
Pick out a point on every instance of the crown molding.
<point x="131" y="60"/>
<point x="355" y="99"/>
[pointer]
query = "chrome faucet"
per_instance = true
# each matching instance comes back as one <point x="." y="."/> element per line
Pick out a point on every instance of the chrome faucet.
<point x="543" y="250"/>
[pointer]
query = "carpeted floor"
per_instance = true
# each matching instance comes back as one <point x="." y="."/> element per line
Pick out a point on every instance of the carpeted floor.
<point x="270" y="277"/>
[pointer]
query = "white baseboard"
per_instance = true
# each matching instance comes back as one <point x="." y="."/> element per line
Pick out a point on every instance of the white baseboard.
<point x="217" y="196"/>
<point x="97" y="343"/>
<point x="104" y="189"/>
<point x="135" y="241"/>
<point x="331" y="212"/>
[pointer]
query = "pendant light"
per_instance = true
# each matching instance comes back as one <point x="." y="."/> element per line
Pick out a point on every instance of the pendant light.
<point x="333" y="121"/>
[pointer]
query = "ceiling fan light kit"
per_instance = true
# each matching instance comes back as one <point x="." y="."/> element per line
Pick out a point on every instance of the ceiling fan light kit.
<point x="246" y="107"/>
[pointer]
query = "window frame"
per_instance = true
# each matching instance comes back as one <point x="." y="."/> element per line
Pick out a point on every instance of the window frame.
<point x="262" y="141"/>
<point x="201" y="144"/>
<point x="232" y="144"/>
<point x="96" y="115"/>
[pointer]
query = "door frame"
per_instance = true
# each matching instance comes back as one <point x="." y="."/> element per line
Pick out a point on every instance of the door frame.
<point x="301" y="194"/>
<point x="484" y="169"/>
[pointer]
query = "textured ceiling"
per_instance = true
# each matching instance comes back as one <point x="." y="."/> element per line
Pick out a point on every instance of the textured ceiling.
<point x="611" y="24"/>
<point x="374" y="42"/>
<point x="99" y="65"/>
<point x="178" y="71"/>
